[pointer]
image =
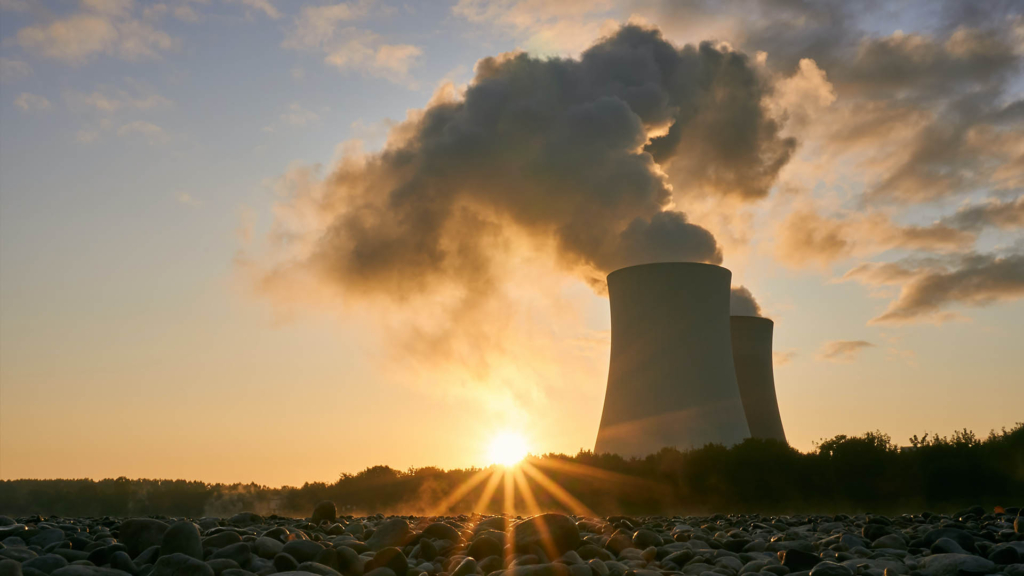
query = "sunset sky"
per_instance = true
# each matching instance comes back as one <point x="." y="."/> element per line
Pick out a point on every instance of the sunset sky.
<point x="278" y="240"/>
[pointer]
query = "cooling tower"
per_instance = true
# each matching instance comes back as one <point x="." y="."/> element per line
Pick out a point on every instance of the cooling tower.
<point x="671" y="380"/>
<point x="752" y="355"/>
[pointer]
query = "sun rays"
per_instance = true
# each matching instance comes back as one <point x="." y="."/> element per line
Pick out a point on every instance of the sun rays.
<point x="522" y="482"/>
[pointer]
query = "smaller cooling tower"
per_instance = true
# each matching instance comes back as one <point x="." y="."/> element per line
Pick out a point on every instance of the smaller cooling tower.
<point x="752" y="356"/>
<point x="671" y="380"/>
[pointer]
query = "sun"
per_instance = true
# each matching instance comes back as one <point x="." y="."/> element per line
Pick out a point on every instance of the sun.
<point x="507" y="448"/>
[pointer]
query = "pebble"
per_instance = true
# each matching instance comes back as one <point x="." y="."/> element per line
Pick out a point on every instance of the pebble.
<point x="956" y="565"/>
<point x="969" y="543"/>
<point x="182" y="537"/>
<point x="830" y="569"/>
<point x="140" y="533"/>
<point x="554" y="531"/>
<point x="393" y="532"/>
<point x="325" y="510"/>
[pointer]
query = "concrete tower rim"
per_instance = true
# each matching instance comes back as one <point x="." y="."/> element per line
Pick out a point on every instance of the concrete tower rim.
<point x="673" y="264"/>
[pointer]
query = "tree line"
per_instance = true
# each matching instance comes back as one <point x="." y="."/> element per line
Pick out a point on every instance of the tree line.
<point x="842" y="474"/>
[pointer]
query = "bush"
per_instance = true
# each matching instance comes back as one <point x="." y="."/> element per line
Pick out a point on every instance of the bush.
<point x="844" y="473"/>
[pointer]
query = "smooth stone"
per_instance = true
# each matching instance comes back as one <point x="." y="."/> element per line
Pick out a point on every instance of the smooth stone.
<point x="348" y="561"/>
<point x="498" y="523"/>
<point x="219" y="565"/>
<point x="240" y="553"/>
<point x="946" y="546"/>
<point x="643" y="538"/>
<point x="237" y="572"/>
<point x="618" y="542"/>
<point x="47" y="537"/>
<point x="428" y="551"/>
<point x="18" y="554"/>
<point x="79" y="570"/>
<point x="391" y="557"/>
<point x="830" y="569"/>
<point x="554" y="531"/>
<point x="1004" y="554"/>
<point x="797" y="560"/>
<point x="393" y="532"/>
<point x="141" y="533"/>
<point x="325" y="510"/>
<point x="956" y="565"/>
<point x="890" y="541"/>
<point x="317" y="568"/>
<point x="10" y="567"/>
<point x="120" y="560"/>
<point x="1014" y="570"/>
<point x="302" y="550"/>
<point x="873" y="532"/>
<point x="382" y="571"/>
<point x="12" y="530"/>
<point x="71" y="555"/>
<point x="538" y="570"/>
<point x="267" y="547"/>
<point x="148" y="556"/>
<point x="182" y="537"/>
<point x="441" y="531"/>
<point x="46" y="564"/>
<point x="179" y="564"/>
<point x="284" y="562"/>
<point x="483" y="547"/>
<point x="221" y="539"/>
<point x="467" y="567"/>
<point x="245" y="519"/>
<point x="961" y="537"/>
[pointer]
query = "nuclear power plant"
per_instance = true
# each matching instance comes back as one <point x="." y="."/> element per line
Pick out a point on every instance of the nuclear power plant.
<point x="671" y="380"/>
<point x="680" y="374"/>
<point x="752" y="356"/>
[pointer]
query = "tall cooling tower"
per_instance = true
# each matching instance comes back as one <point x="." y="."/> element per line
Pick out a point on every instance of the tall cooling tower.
<point x="671" y="380"/>
<point x="752" y="353"/>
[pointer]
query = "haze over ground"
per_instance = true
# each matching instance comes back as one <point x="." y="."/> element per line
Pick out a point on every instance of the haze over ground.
<point x="169" y="308"/>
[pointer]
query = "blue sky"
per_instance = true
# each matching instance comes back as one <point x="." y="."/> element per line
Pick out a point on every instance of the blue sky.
<point x="150" y="151"/>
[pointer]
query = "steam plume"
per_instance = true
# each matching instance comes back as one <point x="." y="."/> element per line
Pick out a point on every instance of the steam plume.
<point x="742" y="303"/>
<point x="571" y="153"/>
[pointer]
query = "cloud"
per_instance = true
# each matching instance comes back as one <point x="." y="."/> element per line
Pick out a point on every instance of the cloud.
<point x="805" y="237"/>
<point x="188" y="200"/>
<point x="16" y="5"/>
<point x="742" y="303"/>
<point x="186" y="13"/>
<point x="843" y="351"/>
<point x="317" y="28"/>
<point x="561" y="27"/>
<point x="929" y="287"/>
<point x="102" y="27"/>
<point x="31" y="102"/>
<point x="783" y="357"/>
<point x="107" y="99"/>
<point x="295" y="116"/>
<point x="12" y="70"/>
<point x="993" y="212"/>
<point x="538" y="163"/>
<point x="952" y="81"/>
<point x="265" y="6"/>
<point x="151" y="132"/>
<point x="564" y="162"/>
<point x="87" y="136"/>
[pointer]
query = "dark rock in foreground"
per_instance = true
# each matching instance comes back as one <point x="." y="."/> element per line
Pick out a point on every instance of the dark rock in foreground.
<point x="972" y="543"/>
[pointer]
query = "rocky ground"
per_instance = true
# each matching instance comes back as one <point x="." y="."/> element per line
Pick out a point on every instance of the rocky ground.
<point x="972" y="542"/>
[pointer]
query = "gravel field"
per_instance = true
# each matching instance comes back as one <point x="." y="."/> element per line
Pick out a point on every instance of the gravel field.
<point x="971" y="542"/>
